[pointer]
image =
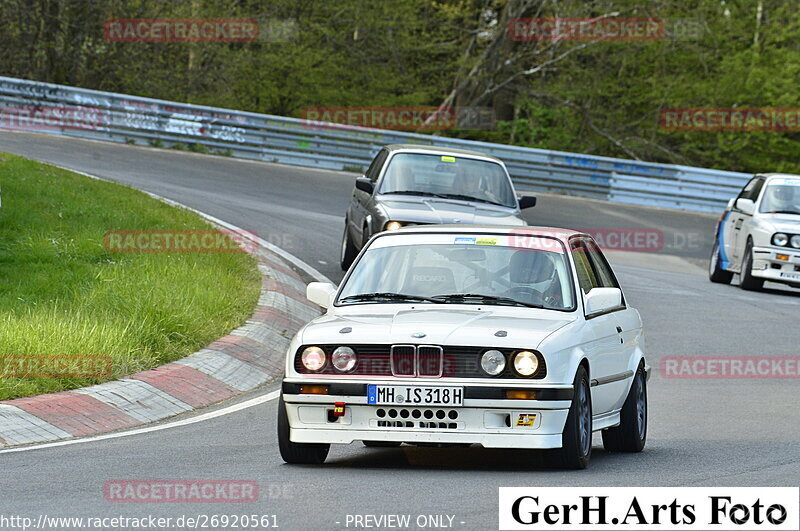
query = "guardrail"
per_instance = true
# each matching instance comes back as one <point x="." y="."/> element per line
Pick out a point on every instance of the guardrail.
<point x="71" y="111"/>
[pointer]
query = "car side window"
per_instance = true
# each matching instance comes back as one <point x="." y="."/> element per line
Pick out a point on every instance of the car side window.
<point x="747" y="191"/>
<point x="377" y="163"/>
<point x="583" y="267"/>
<point x="757" y="189"/>
<point x="601" y="267"/>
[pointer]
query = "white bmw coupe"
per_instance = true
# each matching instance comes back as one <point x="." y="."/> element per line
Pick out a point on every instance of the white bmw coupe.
<point x="758" y="235"/>
<point x="506" y="337"/>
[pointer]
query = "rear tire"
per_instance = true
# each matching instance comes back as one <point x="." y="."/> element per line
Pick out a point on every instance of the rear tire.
<point x="715" y="271"/>
<point x="349" y="251"/>
<point x="631" y="434"/>
<point x="381" y="444"/>
<point x="746" y="279"/>
<point x="576" y="439"/>
<point x="297" y="453"/>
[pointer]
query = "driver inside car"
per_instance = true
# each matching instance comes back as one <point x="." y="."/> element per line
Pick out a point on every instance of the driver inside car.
<point x="783" y="198"/>
<point x="534" y="280"/>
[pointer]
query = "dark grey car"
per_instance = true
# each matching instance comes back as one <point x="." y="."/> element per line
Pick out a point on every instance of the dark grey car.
<point x="424" y="185"/>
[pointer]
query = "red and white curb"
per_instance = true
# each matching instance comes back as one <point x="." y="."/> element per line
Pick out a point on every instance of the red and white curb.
<point x="248" y="357"/>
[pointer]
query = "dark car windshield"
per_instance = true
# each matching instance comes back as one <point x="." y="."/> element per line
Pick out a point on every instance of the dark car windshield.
<point x="448" y="177"/>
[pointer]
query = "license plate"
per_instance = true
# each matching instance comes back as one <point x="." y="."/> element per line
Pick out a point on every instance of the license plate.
<point x="407" y="395"/>
<point x="794" y="276"/>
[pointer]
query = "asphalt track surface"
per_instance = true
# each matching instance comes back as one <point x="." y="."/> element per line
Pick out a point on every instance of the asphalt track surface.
<point x="701" y="432"/>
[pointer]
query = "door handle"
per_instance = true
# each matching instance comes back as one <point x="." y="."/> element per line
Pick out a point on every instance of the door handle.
<point x="619" y="329"/>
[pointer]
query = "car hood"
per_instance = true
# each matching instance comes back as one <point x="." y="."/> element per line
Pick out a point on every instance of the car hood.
<point x="444" y="211"/>
<point x="781" y="222"/>
<point x="441" y="327"/>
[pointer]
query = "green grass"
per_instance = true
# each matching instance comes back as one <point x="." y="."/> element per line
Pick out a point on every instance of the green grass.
<point x="62" y="294"/>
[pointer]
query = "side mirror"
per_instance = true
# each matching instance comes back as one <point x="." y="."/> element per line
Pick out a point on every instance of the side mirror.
<point x="321" y="293"/>
<point x="601" y="300"/>
<point x="365" y="185"/>
<point x="746" y="205"/>
<point x="527" y="201"/>
<point x="731" y="202"/>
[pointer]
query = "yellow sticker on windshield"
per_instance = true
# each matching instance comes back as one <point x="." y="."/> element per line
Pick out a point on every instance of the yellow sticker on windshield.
<point x="486" y="241"/>
<point x="445" y="158"/>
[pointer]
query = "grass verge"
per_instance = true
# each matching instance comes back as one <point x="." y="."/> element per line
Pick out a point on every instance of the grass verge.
<point x="65" y="300"/>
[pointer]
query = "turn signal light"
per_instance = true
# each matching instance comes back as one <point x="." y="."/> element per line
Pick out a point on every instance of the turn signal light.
<point x="520" y="394"/>
<point x="313" y="389"/>
<point x="782" y="257"/>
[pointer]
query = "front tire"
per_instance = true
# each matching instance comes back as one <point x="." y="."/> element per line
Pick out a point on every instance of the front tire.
<point x="631" y="434"/>
<point x="746" y="279"/>
<point x="576" y="439"/>
<point x="297" y="453"/>
<point x="349" y="251"/>
<point x="715" y="271"/>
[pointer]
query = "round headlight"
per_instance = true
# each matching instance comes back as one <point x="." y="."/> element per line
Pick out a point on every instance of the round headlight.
<point x="493" y="362"/>
<point x="344" y="359"/>
<point x="392" y="225"/>
<point x="526" y="363"/>
<point x="780" y="239"/>
<point x="313" y="358"/>
<point x="795" y="241"/>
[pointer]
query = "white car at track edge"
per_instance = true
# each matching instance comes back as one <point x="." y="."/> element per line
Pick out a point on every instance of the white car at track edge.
<point x="758" y="235"/>
<point x="505" y="337"/>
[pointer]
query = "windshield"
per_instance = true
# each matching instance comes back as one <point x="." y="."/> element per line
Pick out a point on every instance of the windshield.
<point x="454" y="269"/>
<point x="450" y="177"/>
<point x="781" y="196"/>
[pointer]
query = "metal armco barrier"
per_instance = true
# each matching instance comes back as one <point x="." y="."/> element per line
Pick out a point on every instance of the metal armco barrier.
<point x="63" y="110"/>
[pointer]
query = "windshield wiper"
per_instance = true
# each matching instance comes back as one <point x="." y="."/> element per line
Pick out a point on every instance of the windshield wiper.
<point x="469" y="198"/>
<point x="413" y="192"/>
<point x="459" y="297"/>
<point x="461" y="197"/>
<point x="388" y="296"/>
<point x="782" y="212"/>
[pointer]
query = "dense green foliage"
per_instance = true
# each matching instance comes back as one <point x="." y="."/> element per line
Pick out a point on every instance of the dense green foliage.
<point x="65" y="296"/>
<point x="595" y="97"/>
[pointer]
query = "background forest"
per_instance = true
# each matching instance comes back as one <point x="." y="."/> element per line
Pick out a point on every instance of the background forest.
<point x="602" y="98"/>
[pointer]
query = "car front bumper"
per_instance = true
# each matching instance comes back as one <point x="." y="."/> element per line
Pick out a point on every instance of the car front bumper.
<point x="768" y="266"/>
<point x="492" y="423"/>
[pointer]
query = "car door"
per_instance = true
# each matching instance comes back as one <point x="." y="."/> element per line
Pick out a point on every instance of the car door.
<point x="628" y="325"/>
<point x="747" y="220"/>
<point x="738" y="219"/>
<point x="359" y="206"/>
<point x="602" y="344"/>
